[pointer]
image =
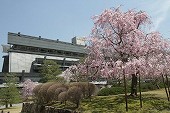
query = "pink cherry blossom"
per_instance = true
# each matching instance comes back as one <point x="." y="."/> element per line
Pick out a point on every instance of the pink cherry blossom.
<point x="27" y="89"/>
<point x="119" y="43"/>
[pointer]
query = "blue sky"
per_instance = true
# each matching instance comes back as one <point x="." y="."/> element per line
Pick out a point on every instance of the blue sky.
<point x="64" y="19"/>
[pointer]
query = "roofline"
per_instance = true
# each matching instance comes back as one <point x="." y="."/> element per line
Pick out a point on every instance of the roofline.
<point x="40" y="38"/>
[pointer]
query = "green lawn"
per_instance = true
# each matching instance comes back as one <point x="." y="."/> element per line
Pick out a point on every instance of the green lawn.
<point x="153" y="102"/>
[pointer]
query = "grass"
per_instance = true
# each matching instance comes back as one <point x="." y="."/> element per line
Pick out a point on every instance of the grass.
<point x="153" y="102"/>
<point x="116" y="104"/>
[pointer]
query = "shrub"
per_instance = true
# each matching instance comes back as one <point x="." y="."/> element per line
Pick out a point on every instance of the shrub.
<point x="112" y="91"/>
<point x="145" y="86"/>
<point x="36" y="89"/>
<point x="105" y="92"/>
<point x="90" y="88"/>
<point x="58" y="91"/>
<point x="63" y="96"/>
<point x="51" y="90"/>
<point x="151" y="86"/>
<point x="87" y="89"/>
<point x="75" y="95"/>
<point x="81" y="85"/>
<point x="77" y="84"/>
<point x="42" y="94"/>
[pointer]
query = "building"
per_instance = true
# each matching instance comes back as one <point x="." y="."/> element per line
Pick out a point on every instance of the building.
<point x="79" y="41"/>
<point x="25" y="54"/>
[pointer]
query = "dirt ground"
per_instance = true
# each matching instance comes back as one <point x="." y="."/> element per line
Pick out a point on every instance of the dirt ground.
<point x="15" y="109"/>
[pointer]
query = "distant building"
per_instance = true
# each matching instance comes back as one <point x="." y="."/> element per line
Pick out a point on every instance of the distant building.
<point x="26" y="53"/>
<point x="79" y="41"/>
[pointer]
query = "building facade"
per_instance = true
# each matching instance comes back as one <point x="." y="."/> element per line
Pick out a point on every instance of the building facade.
<point x="26" y="53"/>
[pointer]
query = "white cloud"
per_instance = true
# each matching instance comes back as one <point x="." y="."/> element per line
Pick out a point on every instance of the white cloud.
<point x="160" y="11"/>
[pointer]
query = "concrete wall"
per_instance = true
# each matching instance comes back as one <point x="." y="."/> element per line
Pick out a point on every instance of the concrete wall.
<point x="23" y="61"/>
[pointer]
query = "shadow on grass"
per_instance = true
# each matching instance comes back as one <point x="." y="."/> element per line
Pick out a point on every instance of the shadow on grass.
<point x="116" y="104"/>
<point x="157" y="103"/>
<point x="103" y="104"/>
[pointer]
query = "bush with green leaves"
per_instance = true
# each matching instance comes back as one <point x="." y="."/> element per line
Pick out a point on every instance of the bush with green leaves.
<point x="145" y="86"/>
<point x="112" y="91"/>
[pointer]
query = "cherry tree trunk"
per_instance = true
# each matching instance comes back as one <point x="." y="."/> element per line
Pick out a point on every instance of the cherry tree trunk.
<point x="6" y="104"/>
<point x="140" y="94"/>
<point x="134" y="85"/>
<point x="165" y="87"/>
<point x="88" y="85"/>
<point x="167" y="81"/>
<point x="125" y="86"/>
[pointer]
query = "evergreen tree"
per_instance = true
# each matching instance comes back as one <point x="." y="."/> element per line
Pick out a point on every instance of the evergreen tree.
<point x="49" y="71"/>
<point x="9" y="94"/>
